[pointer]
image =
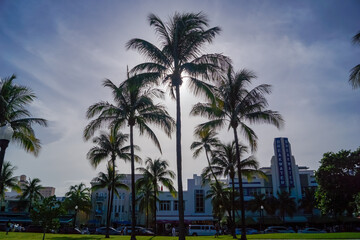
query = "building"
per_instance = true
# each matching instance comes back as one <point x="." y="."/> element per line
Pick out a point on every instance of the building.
<point x="47" y="191"/>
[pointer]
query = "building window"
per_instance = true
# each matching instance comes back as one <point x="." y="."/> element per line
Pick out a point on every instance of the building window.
<point x="176" y="205"/>
<point x="164" y="205"/>
<point x="199" y="201"/>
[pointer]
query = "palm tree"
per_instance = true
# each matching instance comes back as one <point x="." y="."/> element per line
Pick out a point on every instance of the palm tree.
<point x="287" y="204"/>
<point x="355" y="71"/>
<point x="133" y="107"/>
<point x="156" y="172"/>
<point x="207" y="139"/>
<point x="110" y="145"/>
<point x="145" y="198"/>
<point x="220" y="199"/>
<point x="256" y="204"/>
<point x="237" y="107"/>
<point x="7" y="180"/>
<point x="180" y="57"/>
<point x="31" y="191"/>
<point x="308" y="202"/>
<point x="112" y="182"/>
<point x="14" y="99"/>
<point x="271" y="205"/>
<point x="78" y="198"/>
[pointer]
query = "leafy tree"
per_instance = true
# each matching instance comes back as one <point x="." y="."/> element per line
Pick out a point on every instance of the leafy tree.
<point x="7" y="180"/>
<point x="145" y="198"/>
<point x="355" y="71"/>
<point x="180" y="56"/>
<point x="78" y="195"/>
<point x="112" y="182"/>
<point x="31" y="191"/>
<point x="338" y="178"/>
<point x="14" y="101"/>
<point x="287" y="204"/>
<point x="109" y="145"/>
<point x="308" y="202"/>
<point x="156" y="172"/>
<point x="46" y="214"/>
<point x="134" y="107"/>
<point x="236" y="107"/>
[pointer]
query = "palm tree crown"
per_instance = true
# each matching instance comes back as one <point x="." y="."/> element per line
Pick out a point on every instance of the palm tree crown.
<point x="7" y="180"/>
<point x="355" y="71"/>
<point x="78" y="195"/>
<point x="31" y="191"/>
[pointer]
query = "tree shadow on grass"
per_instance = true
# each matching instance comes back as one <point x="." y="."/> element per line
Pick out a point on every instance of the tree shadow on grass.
<point x="81" y="238"/>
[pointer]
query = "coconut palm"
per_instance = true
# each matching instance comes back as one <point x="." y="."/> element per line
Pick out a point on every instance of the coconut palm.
<point x="110" y="145"/>
<point x="14" y="101"/>
<point x="78" y="198"/>
<point x="271" y="205"/>
<point x="236" y="107"/>
<point x="220" y="199"/>
<point x="255" y="204"/>
<point x="112" y="181"/>
<point x="145" y="198"/>
<point x="31" y="191"/>
<point x="308" y="202"/>
<point x="180" y="56"/>
<point x="156" y="172"/>
<point x="287" y="204"/>
<point x="207" y="140"/>
<point x="7" y="180"/>
<point x="133" y="107"/>
<point x="355" y="71"/>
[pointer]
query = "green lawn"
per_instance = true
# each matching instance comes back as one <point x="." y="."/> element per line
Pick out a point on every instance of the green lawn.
<point x="38" y="236"/>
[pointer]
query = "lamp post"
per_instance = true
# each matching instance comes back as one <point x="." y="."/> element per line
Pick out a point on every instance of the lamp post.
<point x="76" y="209"/>
<point x="6" y="133"/>
<point x="261" y="216"/>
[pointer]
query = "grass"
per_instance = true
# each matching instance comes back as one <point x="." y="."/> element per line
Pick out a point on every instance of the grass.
<point x="49" y="236"/>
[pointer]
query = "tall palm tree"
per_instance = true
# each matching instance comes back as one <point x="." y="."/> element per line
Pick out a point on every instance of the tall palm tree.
<point x="145" y="198"/>
<point x="287" y="204"/>
<point x="156" y="172"/>
<point x="207" y="140"/>
<point x="355" y="71"/>
<point x="7" y="180"/>
<point x="180" y="56"/>
<point x="31" y="191"/>
<point x="308" y="202"/>
<point x="271" y="205"/>
<point x="220" y="199"/>
<point x="112" y="182"/>
<point x="236" y="107"/>
<point x="78" y="198"/>
<point x="110" y="145"/>
<point x="255" y="204"/>
<point x="133" y="107"/>
<point x="14" y="101"/>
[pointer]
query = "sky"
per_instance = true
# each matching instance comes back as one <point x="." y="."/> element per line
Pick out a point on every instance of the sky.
<point x="63" y="50"/>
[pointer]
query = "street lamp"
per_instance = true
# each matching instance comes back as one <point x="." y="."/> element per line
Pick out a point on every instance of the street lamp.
<point x="76" y="209"/>
<point x="6" y="133"/>
<point x="261" y="216"/>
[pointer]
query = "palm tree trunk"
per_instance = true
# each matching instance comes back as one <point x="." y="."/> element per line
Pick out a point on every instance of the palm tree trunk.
<point x="179" y="165"/>
<point x="147" y="214"/>
<point x="233" y="206"/>
<point x="108" y="212"/>
<point x="242" y="205"/>
<point x="155" y="193"/>
<point x="133" y="219"/>
<point x="111" y="196"/>
<point x="211" y="169"/>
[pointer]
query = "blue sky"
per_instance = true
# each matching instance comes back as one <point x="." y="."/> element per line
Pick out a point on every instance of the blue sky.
<point x="64" y="49"/>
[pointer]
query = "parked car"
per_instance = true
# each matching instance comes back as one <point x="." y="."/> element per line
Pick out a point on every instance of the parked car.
<point x="140" y="231"/>
<point x="248" y="231"/>
<point x="278" y="229"/>
<point x="311" y="230"/>
<point x="201" y="230"/>
<point x="112" y="231"/>
<point x="69" y="230"/>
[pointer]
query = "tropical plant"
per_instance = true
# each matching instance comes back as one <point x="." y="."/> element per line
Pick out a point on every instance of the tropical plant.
<point x="46" y="214"/>
<point x="78" y="198"/>
<point x="156" y="172"/>
<point x="110" y="145"/>
<point x="236" y="107"/>
<point x="31" y="191"/>
<point x="256" y="204"/>
<point x="145" y="198"/>
<point x="308" y="201"/>
<point x="287" y="204"/>
<point x="7" y="180"/>
<point x="207" y="140"/>
<point x="271" y="205"/>
<point x="112" y="182"/>
<point x="133" y="107"/>
<point x="355" y="71"/>
<point x="220" y="199"/>
<point x="14" y="100"/>
<point x="180" y="57"/>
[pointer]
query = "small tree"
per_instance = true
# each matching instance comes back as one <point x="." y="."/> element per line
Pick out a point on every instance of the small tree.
<point x="46" y="214"/>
